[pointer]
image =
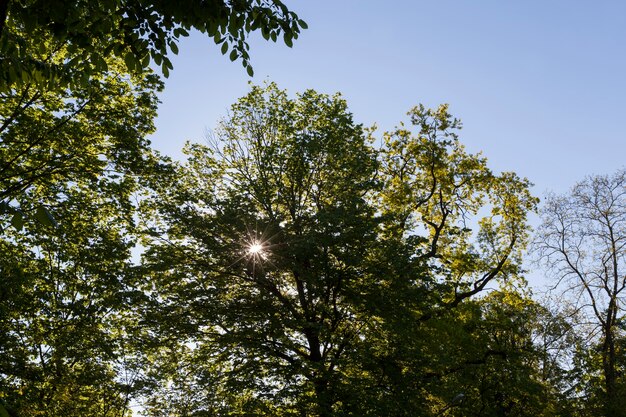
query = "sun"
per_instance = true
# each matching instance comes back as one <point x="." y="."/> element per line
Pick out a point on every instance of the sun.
<point x="255" y="248"/>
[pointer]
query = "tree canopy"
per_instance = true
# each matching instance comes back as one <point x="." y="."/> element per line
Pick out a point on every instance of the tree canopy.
<point x="292" y="266"/>
<point x="52" y="136"/>
<point x="303" y="271"/>
<point x="139" y="32"/>
<point x="582" y="241"/>
<point x="71" y="163"/>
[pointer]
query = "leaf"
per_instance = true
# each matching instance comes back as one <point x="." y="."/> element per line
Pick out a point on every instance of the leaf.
<point x="178" y="32"/>
<point x="233" y="55"/>
<point x="288" y="40"/>
<point x="158" y="58"/>
<point x="4" y="412"/>
<point x="102" y="64"/>
<point x="174" y="47"/>
<point x="303" y="24"/>
<point x="130" y="61"/>
<point x="17" y="221"/>
<point x="45" y="217"/>
<point x="224" y="47"/>
<point x="250" y="70"/>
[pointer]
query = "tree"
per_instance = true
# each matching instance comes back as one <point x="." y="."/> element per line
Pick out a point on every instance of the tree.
<point x="140" y="32"/>
<point x="582" y="240"/>
<point x="282" y="227"/>
<point x="67" y="322"/>
<point x="518" y="373"/>
<point x="70" y="164"/>
<point x="58" y="61"/>
<point x="302" y="271"/>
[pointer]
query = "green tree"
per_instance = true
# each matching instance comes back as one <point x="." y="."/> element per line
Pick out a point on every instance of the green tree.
<point x="68" y="333"/>
<point x="556" y="343"/>
<point x="430" y="262"/>
<point x="281" y="226"/>
<point x="305" y="272"/>
<point x="140" y="32"/>
<point x="581" y="240"/>
<point x="510" y="379"/>
<point x="67" y="325"/>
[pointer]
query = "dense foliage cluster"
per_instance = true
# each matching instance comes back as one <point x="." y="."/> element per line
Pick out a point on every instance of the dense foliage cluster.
<point x="137" y="31"/>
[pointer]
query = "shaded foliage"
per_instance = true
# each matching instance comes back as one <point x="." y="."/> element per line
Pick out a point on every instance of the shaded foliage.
<point x="139" y="32"/>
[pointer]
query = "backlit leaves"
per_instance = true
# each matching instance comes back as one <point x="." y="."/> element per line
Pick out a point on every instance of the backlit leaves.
<point x="369" y="270"/>
<point x="129" y="29"/>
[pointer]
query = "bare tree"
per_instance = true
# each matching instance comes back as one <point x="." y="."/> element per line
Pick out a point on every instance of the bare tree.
<point x="582" y="240"/>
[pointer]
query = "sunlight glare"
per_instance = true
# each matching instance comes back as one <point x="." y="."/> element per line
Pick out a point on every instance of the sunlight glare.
<point x="255" y="248"/>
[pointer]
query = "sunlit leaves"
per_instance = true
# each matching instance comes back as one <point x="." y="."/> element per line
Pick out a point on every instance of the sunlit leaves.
<point x="70" y="161"/>
<point x="51" y="135"/>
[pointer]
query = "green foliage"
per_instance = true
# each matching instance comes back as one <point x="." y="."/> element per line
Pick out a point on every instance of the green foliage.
<point x="70" y="162"/>
<point x="291" y="175"/>
<point x="302" y="271"/>
<point x="138" y="32"/>
<point x="51" y="136"/>
<point x="509" y="382"/>
<point x="65" y="321"/>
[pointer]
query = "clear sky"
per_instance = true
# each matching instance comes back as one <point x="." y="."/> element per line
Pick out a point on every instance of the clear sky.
<point x="539" y="85"/>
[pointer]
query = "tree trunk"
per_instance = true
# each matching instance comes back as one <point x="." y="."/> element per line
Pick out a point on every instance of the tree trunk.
<point x="611" y="405"/>
<point x="4" y="9"/>
<point x="324" y="403"/>
<point x="320" y="378"/>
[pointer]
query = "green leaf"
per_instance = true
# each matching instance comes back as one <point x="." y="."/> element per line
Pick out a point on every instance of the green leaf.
<point x="45" y="217"/>
<point x="250" y="70"/>
<point x="224" y="47"/>
<point x="233" y="55"/>
<point x="13" y="77"/>
<point x="288" y="40"/>
<point x="174" y="47"/>
<point x="178" y="32"/>
<point x="158" y="58"/>
<point x="3" y="411"/>
<point x="145" y="62"/>
<point x="303" y="24"/>
<point x="101" y="64"/>
<point x="130" y="61"/>
<point x="17" y="221"/>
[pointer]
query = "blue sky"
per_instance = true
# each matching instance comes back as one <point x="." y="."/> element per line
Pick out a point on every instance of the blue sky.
<point x="540" y="85"/>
